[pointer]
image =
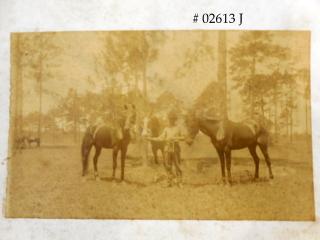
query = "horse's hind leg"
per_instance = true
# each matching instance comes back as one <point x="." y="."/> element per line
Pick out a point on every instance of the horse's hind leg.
<point x="95" y="162"/>
<point x="114" y="158"/>
<point x="264" y="150"/>
<point x="256" y="160"/>
<point x="123" y="159"/>
<point x="228" y="163"/>
<point x="222" y="164"/>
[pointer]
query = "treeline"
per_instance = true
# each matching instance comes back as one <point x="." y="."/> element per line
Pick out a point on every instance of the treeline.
<point x="263" y="72"/>
<point x="269" y="80"/>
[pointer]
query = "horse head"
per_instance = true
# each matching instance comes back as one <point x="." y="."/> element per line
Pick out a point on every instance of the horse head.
<point x="192" y="125"/>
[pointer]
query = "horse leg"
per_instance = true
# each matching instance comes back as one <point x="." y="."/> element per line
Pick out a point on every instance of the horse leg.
<point x="84" y="166"/>
<point x="222" y="164"/>
<point x="95" y="162"/>
<point x="123" y="159"/>
<point x="256" y="160"/>
<point x="264" y="150"/>
<point x="228" y="163"/>
<point x="114" y="158"/>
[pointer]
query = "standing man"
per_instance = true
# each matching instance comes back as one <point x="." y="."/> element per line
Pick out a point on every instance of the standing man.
<point x="171" y="135"/>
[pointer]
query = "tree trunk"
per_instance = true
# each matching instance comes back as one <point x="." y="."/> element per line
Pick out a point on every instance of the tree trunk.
<point x="251" y="96"/>
<point x="307" y="99"/>
<point x="275" y="100"/>
<point x="20" y="90"/>
<point x="262" y="106"/>
<point x="40" y="90"/>
<point x="222" y="70"/>
<point x="75" y="117"/>
<point x="291" y="125"/>
<point x="287" y="125"/>
<point x="145" y="82"/>
<point x="17" y="84"/>
<point x="291" y="111"/>
<point x="136" y="86"/>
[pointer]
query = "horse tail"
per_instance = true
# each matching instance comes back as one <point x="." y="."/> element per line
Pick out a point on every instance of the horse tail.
<point x="86" y="144"/>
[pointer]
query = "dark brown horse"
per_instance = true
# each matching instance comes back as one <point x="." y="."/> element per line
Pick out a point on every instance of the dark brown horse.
<point x="107" y="136"/>
<point x="226" y="136"/>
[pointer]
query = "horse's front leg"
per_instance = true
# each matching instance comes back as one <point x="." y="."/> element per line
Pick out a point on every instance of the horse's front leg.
<point x="228" y="163"/>
<point x="95" y="162"/>
<point x="256" y="160"/>
<point x="123" y="158"/>
<point x="222" y="163"/>
<point x="114" y="158"/>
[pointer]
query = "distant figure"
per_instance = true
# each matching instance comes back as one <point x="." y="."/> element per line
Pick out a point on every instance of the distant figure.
<point x="26" y="141"/>
<point x="20" y="143"/>
<point x="35" y="140"/>
<point x="171" y="136"/>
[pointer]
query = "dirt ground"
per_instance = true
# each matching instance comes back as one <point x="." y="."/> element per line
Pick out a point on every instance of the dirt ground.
<point x="46" y="183"/>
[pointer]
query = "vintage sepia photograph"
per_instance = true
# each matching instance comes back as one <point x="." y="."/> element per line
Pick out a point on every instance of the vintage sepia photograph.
<point x="183" y="125"/>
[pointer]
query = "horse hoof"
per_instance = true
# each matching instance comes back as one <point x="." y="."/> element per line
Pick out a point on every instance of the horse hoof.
<point x="223" y="181"/>
<point x="271" y="177"/>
